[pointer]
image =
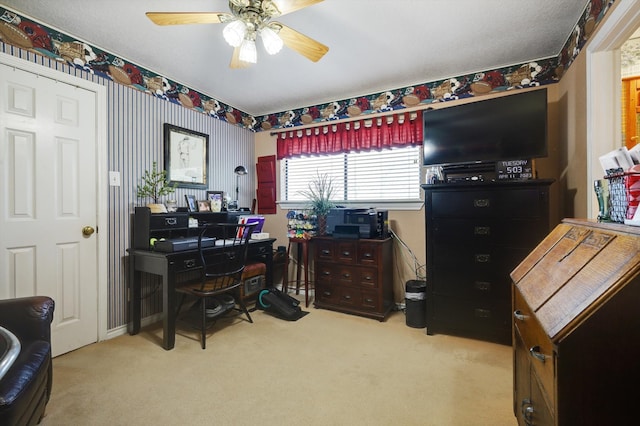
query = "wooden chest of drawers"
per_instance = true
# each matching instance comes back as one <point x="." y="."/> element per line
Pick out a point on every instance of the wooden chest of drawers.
<point x="476" y="234"/>
<point x="354" y="276"/>
<point x="576" y="316"/>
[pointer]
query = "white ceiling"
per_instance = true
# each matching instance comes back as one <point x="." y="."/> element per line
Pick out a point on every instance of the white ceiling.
<point x="374" y="45"/>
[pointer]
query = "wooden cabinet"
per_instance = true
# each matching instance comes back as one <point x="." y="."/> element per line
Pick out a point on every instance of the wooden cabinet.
<point x="354" y="276"/>
<point x="576" y="316"/>
<point x="476" y="233"/>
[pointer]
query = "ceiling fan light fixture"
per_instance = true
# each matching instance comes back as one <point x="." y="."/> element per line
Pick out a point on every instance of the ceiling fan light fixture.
<point x="271" y="41"/>
<point x="234" y="32"/>
<point x="248" y="51"/>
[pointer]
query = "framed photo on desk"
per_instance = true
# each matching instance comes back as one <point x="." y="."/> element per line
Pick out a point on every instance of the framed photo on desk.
<point x="191" y="203"/>
<point x="216" y="200"/>
<point x="186" y="158"/>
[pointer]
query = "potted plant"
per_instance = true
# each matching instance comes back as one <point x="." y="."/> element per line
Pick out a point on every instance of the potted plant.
<point x="154" y="185"/>
<point x="319" y="194"/>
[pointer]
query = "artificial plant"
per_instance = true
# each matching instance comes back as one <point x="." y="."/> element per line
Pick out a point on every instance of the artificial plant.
<point x="154" y="184"/>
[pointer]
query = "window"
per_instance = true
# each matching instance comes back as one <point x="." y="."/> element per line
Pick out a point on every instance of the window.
<point x="370" y="179"/>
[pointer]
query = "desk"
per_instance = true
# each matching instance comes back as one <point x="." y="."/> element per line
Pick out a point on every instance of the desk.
<point x="169" y="266"/>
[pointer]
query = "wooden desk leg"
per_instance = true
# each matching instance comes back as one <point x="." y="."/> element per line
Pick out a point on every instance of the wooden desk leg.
<point x="299" y="266"/>
<point x="269" y="264"/>
<point x="135" y="296"/>
<point x="305" y="257"/>
<point x="168" y="308"/>
<point x="285" y="275"/>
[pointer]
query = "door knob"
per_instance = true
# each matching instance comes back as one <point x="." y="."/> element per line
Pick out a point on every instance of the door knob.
<point x="88" y="230"/>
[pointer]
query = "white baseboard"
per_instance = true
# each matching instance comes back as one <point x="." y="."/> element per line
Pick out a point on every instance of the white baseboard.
<point x="124" y="329"/>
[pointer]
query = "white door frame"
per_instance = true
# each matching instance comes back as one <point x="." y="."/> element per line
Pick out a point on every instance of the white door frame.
<point x="604" y="85"/>
<point x="101" y="173"/>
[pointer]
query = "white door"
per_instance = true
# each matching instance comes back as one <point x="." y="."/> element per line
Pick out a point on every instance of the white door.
<point x="47" y="197"/>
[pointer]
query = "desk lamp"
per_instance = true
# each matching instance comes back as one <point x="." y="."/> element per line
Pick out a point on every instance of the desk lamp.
<point x="239" y="171"/>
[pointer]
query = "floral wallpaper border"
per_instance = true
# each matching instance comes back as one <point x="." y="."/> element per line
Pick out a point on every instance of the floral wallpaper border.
<point x="25" y="33"/>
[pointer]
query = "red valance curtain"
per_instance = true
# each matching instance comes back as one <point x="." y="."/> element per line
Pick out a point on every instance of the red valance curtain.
<point x="353" y="136"/>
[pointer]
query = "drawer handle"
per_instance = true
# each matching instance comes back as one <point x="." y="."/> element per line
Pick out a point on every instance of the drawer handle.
<point x="535" y="352"/>
<point x="326" y="273"/>
<point x="346" y="253"/>
<point x="170" y="220"/>
<point x="347" y="297"/>
<point x="527" y="411"/>
<point x="482" y="230"/>
<point x="482" y="285"/>
<point x="483" y="258"/>
<point x="482" y="313"/>
<point x="326" y="252"/>
<point x="519" y="315"/>
<point x="347" y="275"/>
<point x="481" y="202"/>
<point x="327" y="293"/>
<point x="189" y="263"/>
<point x="368" y="300"/>
<point x="368" y="278"/>
<point x="367" y="255"/>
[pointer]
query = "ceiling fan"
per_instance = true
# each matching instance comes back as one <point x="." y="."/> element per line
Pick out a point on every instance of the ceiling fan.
<point x="247" y="20"/>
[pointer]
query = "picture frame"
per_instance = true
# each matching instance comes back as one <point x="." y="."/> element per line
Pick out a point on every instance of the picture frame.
<point x="204" y="206"/>
<point x="216" y="199"/>
<point x="186" y="157"/>
<point x="192" y="206"/>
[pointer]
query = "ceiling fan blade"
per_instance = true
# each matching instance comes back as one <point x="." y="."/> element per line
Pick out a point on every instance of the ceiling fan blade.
<point x="179" y="18"/>
<point x="236" y="63"/>
<point x="299" y="42"/>
<point x="288" y="6"/>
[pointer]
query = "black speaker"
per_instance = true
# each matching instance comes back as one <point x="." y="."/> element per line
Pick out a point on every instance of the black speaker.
<point x="382" y="228"/>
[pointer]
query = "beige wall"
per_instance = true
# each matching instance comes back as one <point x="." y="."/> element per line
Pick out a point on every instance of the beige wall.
<point x="571" y="115"/>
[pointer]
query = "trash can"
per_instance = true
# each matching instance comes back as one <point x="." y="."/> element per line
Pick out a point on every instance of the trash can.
<point x="415" y="302"/>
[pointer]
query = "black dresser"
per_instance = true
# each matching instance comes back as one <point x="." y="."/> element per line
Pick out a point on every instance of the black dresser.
<point x="476" y="234"/>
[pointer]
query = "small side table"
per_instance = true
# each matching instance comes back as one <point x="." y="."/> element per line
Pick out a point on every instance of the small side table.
<point x="302" y="257"/>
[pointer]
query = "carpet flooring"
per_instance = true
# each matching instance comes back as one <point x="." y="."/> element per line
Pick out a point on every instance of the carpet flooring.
<point x="327" y="368"/>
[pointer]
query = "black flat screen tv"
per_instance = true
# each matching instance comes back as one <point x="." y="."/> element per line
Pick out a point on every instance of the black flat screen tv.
<point x="504" y="128"/>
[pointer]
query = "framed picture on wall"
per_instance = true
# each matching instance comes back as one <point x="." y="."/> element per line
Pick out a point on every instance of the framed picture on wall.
<point x="215" y="199"/>
<point x="186" y="158"/>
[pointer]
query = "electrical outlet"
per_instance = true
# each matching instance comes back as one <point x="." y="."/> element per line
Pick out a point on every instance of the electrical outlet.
<point x="114" y="178"/>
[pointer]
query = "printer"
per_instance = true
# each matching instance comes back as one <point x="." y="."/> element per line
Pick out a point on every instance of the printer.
<point x="358" y="223"/>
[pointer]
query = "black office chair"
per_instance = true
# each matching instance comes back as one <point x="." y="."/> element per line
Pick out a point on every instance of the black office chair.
<point x="221" y="274"/>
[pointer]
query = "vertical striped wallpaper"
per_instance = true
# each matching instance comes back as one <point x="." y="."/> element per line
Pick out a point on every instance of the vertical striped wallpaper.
<point x="134" y="141"/>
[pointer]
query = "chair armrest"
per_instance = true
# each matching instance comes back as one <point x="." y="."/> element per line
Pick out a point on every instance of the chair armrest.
<point x="29" y="318"/>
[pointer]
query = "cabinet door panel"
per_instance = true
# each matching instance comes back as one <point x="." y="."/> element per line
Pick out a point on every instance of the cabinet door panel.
<point x="324" y="273"/>
<point x="367" y="277"/>
<point x="465" y="284"/>
<point x="483" y="232"/>
<point x="537" y="345"/>
<point x="368" y="253"/>
<point x="472" y="315"/>
<point x="344" y="275"/>
<point x="506" y="203"/>
<point x="324" y="249"/>
<point x="522" y="380"/>
<point x="478" y="259"/>
<point x="370" y="301"/>
<point x="345" y="251"/>
<point x="327" y="294"/>
<point x="349" y="297"/>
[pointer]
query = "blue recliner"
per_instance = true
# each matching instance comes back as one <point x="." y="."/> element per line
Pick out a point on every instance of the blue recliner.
<point x="25" y="387"/>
